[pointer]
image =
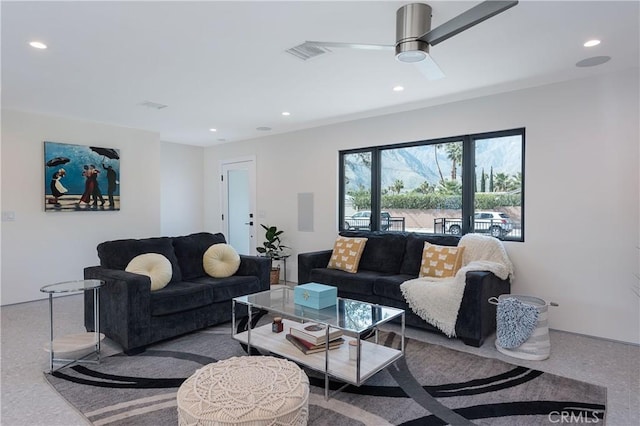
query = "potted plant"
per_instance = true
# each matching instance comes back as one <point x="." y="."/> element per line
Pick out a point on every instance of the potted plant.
<point x="273" y="248"/>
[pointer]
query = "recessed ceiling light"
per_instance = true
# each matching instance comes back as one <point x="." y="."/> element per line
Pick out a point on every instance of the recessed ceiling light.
<point x="286" y="113"/>
<point x="263" y="128"/>
<point x="398" y="89"/>
<point x="592" y="43"/>
<point x="213" y="130"/>
<point x="222" y="140"/>
<point x="38" y="45"/>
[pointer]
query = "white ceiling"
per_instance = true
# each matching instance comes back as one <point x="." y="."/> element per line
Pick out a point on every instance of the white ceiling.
<point x="223" y="64"/>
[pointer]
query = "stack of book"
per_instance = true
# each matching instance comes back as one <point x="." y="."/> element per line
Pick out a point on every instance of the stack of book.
<point x="311" y="338"/>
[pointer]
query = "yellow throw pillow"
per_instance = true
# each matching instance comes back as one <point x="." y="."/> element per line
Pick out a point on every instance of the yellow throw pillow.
<point x="155" y="266"/>
<point x="220" y="261"/>
<point x="346" y="254"/>
<point x="440" y="261"/>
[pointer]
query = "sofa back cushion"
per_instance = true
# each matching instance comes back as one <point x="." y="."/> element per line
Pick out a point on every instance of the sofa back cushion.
<point x="118" y="253"/>
<point x="189" y="250"/>
<point x="414" y="247"/>
<point x="383" y="251"/>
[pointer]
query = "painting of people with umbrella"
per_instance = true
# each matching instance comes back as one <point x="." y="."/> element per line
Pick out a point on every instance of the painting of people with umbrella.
<point x="81" y="178"/>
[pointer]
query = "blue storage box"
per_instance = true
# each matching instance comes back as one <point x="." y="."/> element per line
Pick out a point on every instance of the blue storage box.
<point x="314" y="295"/>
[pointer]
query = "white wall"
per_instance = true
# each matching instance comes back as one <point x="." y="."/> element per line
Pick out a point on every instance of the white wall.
<point x="582" y="192"/>
<point x="181" y="189"/>
<point x="581" y="177"/>
<point x="43" y="248"/>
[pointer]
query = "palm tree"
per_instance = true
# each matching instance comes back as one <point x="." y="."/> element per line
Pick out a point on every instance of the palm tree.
<point x="425" y="188"/>
<point x="454" y="153"/>
<point x="435" y="153"/>
<point x="515" y="181"/>
<point x="450" y="187"/>
<point x="397" y="186"/>
<point x="501" y="182"/>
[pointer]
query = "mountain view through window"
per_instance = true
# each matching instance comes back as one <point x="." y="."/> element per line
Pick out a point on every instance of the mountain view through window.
<point x="430" y="186"/>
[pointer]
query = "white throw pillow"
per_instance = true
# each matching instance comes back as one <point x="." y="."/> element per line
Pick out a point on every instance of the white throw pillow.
<point x="220" y="261"/>
<point x="155" y="266"/>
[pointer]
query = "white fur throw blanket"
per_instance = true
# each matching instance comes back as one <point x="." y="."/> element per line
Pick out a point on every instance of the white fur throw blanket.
<point x="437" y="300"/>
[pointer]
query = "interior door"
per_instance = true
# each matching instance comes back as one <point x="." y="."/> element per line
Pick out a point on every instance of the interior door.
<point x="237" y="181"/>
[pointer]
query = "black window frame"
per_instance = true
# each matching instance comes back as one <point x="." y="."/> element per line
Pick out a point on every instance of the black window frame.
<point x="468" y="176"/>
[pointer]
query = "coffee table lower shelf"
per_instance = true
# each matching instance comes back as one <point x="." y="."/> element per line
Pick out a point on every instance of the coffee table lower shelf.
<point x="374" y="357"/>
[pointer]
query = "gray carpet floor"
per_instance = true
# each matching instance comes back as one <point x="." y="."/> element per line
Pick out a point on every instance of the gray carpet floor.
<point x="27" y="399"/>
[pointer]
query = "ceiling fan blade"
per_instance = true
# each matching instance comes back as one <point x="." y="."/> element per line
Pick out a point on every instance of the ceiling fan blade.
<point x="351" y="45"/>
<point x="466" y="20"/>
<point x="429" y="68"/>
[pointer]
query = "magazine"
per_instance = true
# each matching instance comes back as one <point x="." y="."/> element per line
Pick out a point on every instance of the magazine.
<point x="309" y="345"/>
<point x="314" y="333"/>
<point x="305" y="349"/>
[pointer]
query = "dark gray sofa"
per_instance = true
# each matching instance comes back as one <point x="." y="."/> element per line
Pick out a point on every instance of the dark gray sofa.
<point x="389" y="259"/>
<point x="134" y="316"/>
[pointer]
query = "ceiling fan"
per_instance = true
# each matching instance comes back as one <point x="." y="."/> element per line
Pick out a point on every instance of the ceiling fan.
<point x="414" y="35"/>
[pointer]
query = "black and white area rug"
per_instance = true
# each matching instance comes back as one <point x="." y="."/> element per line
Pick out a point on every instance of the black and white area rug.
<point x="432" y="385"/>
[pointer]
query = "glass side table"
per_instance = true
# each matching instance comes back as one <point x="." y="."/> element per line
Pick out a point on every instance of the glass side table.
<point x="283" y="258"/>
<point x="280" y="255"/>
<point x="80" y="341"/>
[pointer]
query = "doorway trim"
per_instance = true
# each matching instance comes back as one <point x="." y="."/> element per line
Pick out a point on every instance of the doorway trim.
<point x="250" y="163"/>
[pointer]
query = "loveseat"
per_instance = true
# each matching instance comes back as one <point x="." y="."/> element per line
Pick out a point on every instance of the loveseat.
<point x="389" y="259"/>
<point x="134" y="316"/>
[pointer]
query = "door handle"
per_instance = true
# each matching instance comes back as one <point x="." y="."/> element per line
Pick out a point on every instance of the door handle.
<point x="249" y="223"/>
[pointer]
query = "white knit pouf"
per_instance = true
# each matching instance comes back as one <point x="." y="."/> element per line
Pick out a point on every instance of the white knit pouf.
<point x="248" y="390"/>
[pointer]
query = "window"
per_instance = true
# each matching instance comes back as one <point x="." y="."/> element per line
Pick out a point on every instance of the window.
<point x="498" y="185"/>
<point x="470" y="183"/>
<point x="355" y="178"/>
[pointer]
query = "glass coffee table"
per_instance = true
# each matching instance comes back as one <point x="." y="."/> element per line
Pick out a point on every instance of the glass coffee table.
<point x="356" y="319"/>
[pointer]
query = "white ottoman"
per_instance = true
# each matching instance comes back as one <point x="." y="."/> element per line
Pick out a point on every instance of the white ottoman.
<point x="248" y="390"/>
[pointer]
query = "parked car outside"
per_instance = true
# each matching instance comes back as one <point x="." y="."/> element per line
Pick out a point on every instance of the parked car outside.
<point x="497" y="224"/>
<point x="362" y="221"/>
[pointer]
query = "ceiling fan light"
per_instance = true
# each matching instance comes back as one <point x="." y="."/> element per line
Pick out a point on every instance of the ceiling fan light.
<point x="411" y="56"/>
<point x="412" y="51"/>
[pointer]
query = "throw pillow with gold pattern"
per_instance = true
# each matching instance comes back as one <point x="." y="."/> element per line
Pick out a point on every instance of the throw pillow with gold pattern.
<point x="440" y="261"/>
<point x="346" y="254"/>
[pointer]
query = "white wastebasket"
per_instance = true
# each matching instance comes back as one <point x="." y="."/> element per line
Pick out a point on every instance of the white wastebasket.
<point x="537" y="347"/>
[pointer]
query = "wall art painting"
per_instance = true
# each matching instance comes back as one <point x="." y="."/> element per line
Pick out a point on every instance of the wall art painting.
<point x="81" y="178"/>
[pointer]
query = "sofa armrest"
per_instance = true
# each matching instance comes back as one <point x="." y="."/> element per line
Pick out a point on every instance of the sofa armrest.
<point x="257" y="266"/>
<point x="125" y="312"/>
<point x="311" y="260"/>
<point x="477" y="317"/>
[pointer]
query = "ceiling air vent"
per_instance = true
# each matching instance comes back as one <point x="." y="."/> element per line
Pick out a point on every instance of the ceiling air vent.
<point x="306" y="51"/>
<point x="152" y="105"/>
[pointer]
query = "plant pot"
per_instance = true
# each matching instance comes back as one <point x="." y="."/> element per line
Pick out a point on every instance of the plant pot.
<point x="275" y="275"/>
